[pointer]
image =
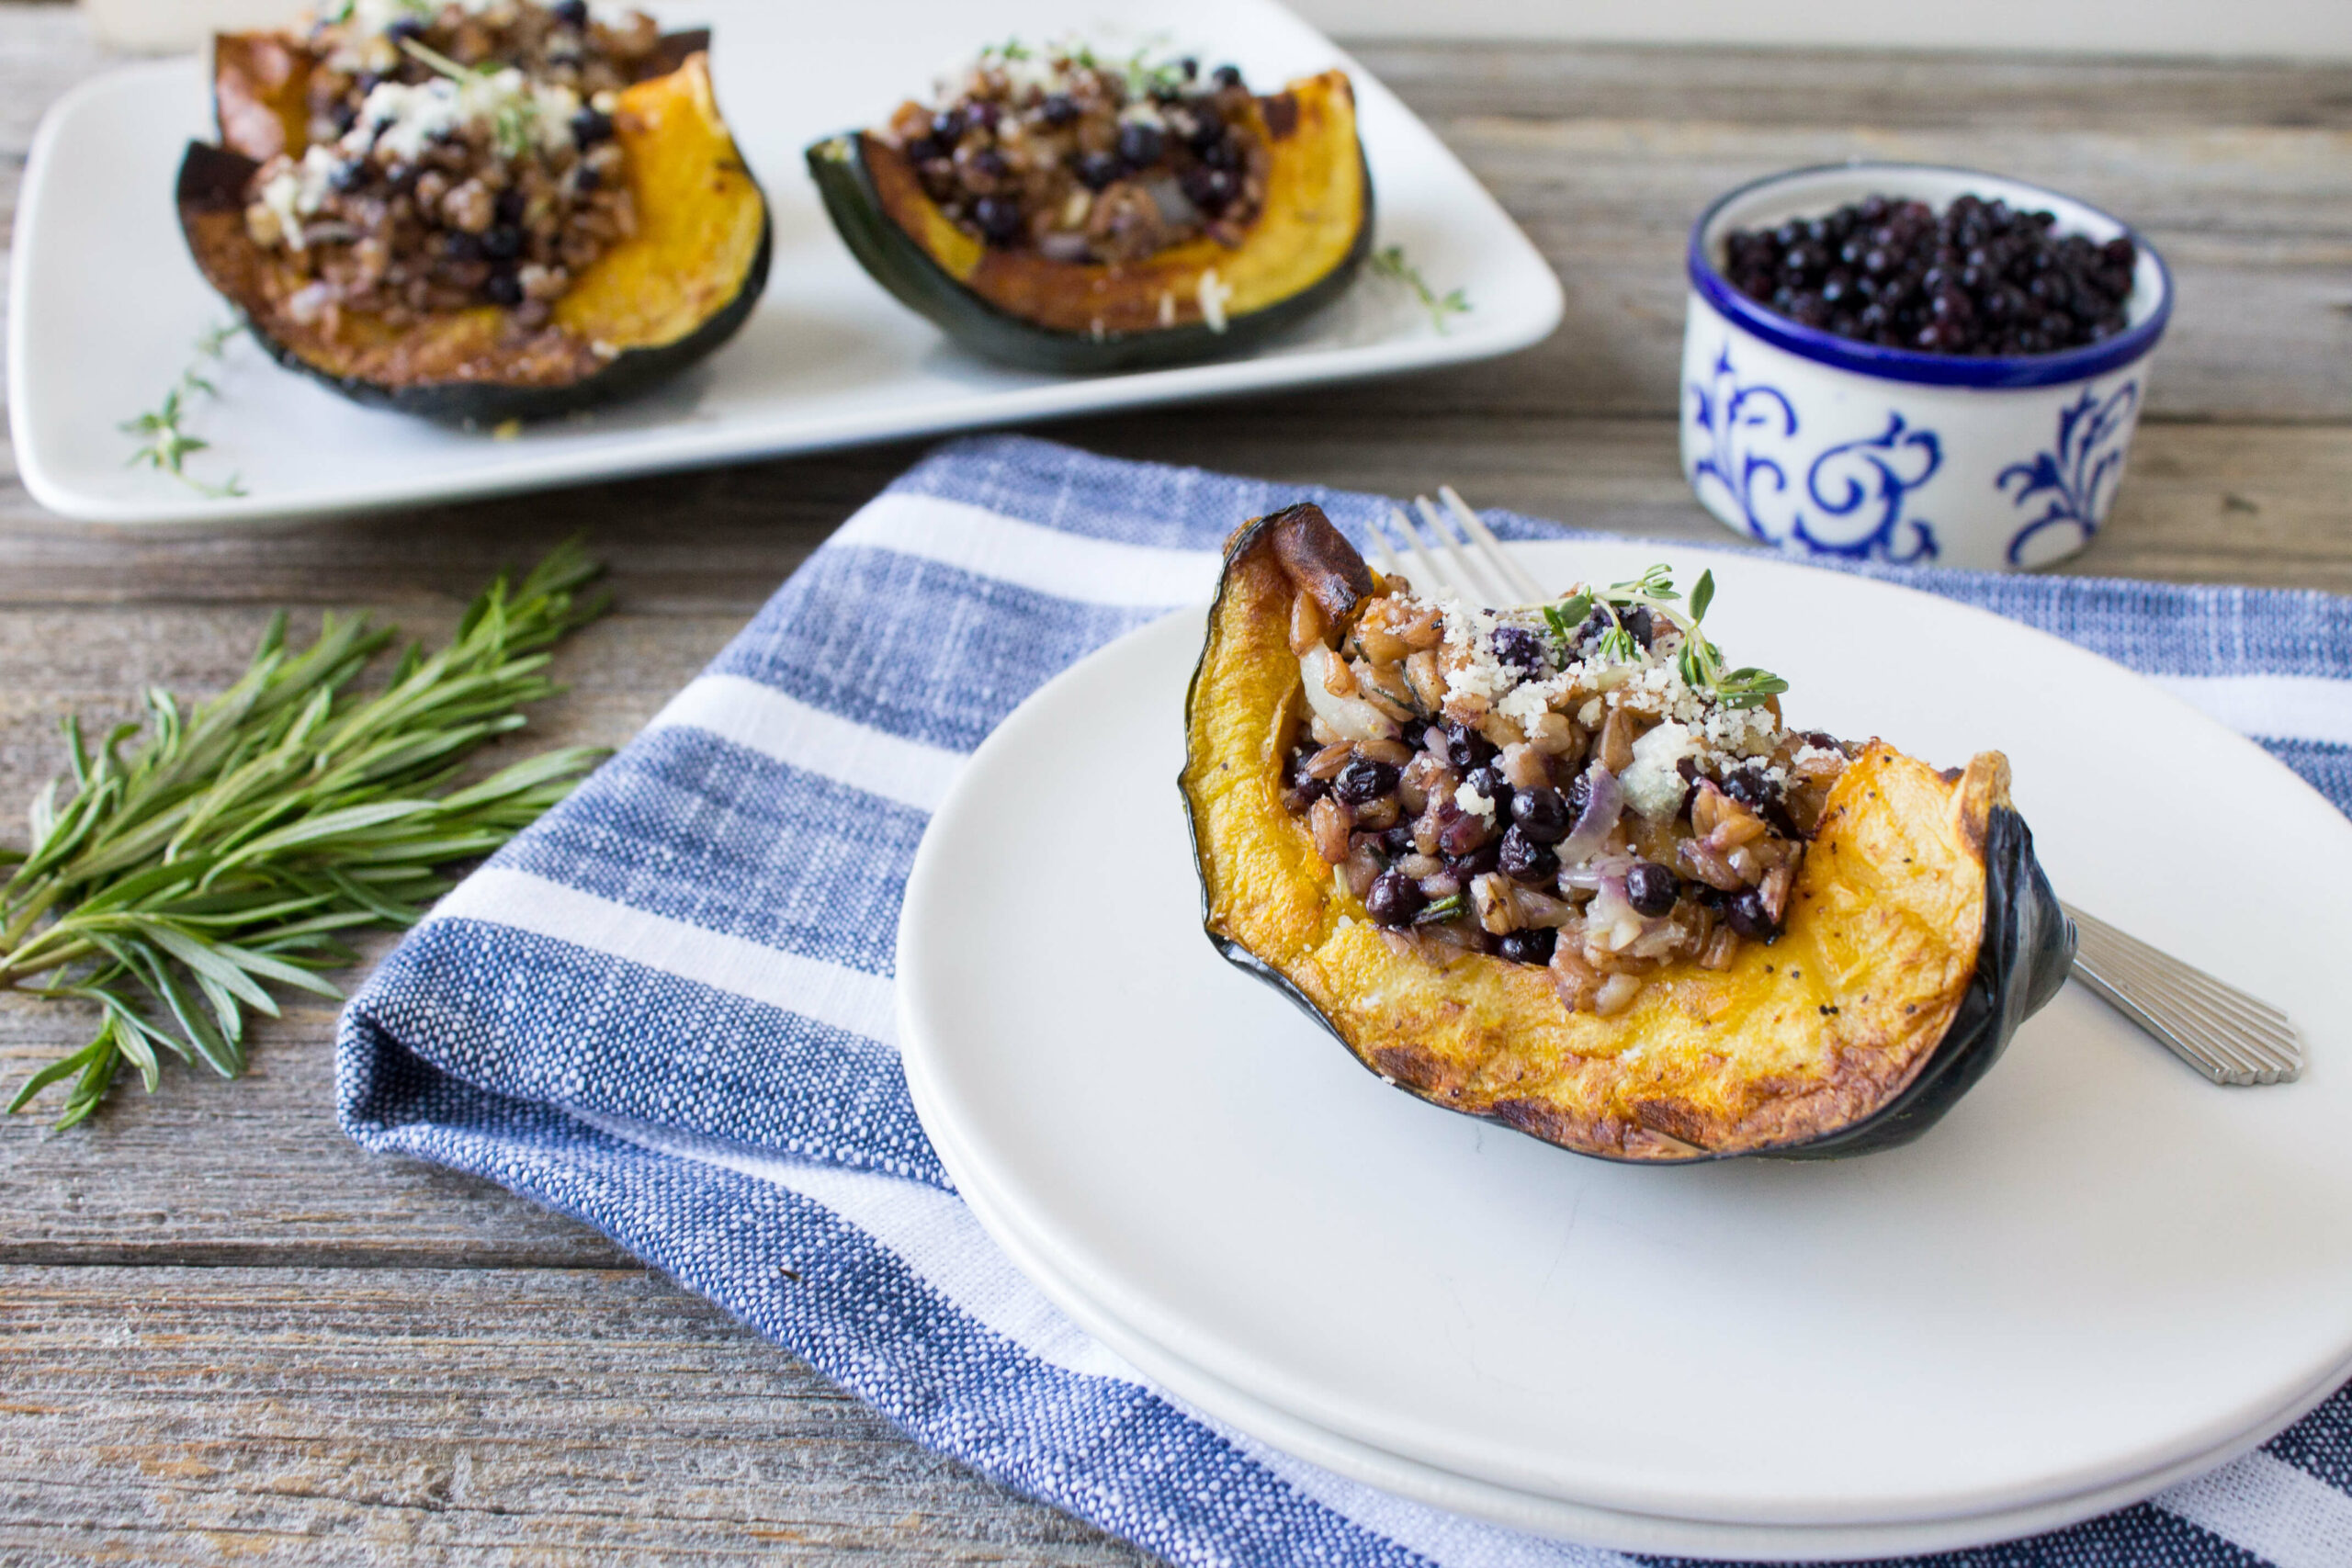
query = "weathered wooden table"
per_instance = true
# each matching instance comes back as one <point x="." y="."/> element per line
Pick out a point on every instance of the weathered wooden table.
<point x="226" y="1332"/>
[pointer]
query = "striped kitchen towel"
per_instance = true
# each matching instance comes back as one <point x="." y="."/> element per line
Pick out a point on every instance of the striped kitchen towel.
<point x="666" y="1008"/>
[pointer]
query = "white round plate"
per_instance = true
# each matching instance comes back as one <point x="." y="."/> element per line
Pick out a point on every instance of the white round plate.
<point x="1579" y="1522"/>
<point x="2097" y="1270"/>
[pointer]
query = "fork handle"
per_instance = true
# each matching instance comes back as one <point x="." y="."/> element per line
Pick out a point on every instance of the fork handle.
<point x="2230" y="1037"/>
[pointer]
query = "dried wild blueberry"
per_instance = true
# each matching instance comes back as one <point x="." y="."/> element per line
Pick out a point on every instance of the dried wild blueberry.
<point x="999" y="220"/>
<point x="1394" y="899"/>
<point x="1227" y="76"/>
<point x="1140" y="146"/>
<point x="569" y="13"/>
<point x="1464" y="747"/>
<point x="1744" y="913"/>
<point x="1058" y="108"/>
<point x="947" y="127"/>
<point x="1399" y="840"/>
<point x="1096" y="170"/>
<point x="509" y="205"/>
<point x="1483" y="854"/>
<point x="501" y="241"/>
<point x="1652" y="888"/>
<point x="1364" y="781"/>
<point x="591" y="125"/>
<point x="1532" y="945"/>
<point x="504" y="289"/>
<point x="1519" y="648"/>
<point x="1211" y="190"/>
<point x="1488" y="779"/>
<point x="1523" y="860"/>
<point x="1540" y="814"/>
<point x="1578" y="796"/>
<point x="1636" y="622"/>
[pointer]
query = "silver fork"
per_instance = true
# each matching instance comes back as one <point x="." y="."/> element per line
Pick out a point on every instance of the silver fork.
<point x="2227" y="1035"/>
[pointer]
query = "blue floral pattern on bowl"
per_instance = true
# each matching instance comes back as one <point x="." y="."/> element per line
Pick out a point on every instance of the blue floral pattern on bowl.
<point x="1849" y="451"/>
<point x="2075" y="481"/>
<point x="1858" y="488"/>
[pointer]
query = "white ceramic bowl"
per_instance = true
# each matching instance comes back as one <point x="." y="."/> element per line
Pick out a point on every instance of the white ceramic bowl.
<point x="1796" y="437"/>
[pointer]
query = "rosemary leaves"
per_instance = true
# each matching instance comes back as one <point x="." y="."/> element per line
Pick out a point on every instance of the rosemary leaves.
<point x="212" y="852"/>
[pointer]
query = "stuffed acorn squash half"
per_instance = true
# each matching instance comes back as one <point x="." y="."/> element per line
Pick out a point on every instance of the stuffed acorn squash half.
<point x="1562" y="868"/>
<point x="476" y="212"/>
<point x="1055" y="211"/>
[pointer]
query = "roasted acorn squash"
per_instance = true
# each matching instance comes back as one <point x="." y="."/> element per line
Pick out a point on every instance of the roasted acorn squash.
<point x="1024" y="309"/>
<point x="651" y="305"/>
<point x="1921" y="932"/>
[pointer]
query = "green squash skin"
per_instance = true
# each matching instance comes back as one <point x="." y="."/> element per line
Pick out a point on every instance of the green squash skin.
<point x="893" y="259"/>
<point x="2023" y="960"/>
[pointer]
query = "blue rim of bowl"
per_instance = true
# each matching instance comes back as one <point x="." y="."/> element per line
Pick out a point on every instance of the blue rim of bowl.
<point x="1910" y="365"/>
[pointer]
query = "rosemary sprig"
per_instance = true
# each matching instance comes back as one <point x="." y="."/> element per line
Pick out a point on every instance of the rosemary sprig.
<point x="1700" y="662"/>
<point x="1444" y="909"/>
<point x="1389" y="263"/>
<point x="229" y="850"/>
<point x="166" y="444"/>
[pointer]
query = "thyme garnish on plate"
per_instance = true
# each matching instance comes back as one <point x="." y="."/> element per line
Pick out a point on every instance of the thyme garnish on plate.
<point x="233" y="843"/>
<point x="1389" y="262"/>
<point x="166" y="445"/>
<point x="1700" y="662"/>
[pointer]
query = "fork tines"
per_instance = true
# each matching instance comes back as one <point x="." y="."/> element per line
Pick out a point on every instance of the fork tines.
<point x="1481" y="568"/>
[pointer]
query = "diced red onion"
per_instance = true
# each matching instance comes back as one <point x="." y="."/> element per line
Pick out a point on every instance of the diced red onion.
<point x="1351" y="718"/>
<point x="1603" y="803"/>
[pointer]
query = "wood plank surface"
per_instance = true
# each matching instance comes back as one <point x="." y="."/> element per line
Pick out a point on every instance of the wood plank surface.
<point x="225" y="1332"/>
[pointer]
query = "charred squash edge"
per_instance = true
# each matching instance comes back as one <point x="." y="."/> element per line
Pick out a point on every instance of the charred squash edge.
<point x="863" y="180"/>
<point x="212" y="180"/>
<point x="2023" y="956"/>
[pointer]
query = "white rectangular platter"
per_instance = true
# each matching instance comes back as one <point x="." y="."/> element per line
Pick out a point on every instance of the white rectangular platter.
<point x="106" y="307"/>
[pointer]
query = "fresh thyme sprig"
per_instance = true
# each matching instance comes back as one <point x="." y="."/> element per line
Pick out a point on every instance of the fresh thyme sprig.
<point x="513" y="117"/>
<point x="166" y="444"/>
<point x="1700" y="662"/>
<point x="232" y="846"/>
<point x="1389" y="262"/>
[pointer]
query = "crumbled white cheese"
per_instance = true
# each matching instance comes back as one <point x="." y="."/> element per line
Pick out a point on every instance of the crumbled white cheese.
<point x="1746" y="732"/>
<point x="1143" y="111"/>
<point x="1213" y="294"/>
<point x="400" y="120"/>
<point x="300" y="190"/>
<point x="378" y="15"/>
<point x="1651" y="782"/>
<point x="1467" y="796"/>
<point x="1167" y="308"/>
<point x="1531" y="700"/>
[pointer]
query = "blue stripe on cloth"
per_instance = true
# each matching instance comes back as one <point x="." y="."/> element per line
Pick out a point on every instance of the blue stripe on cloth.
<point x="2140" y="1537"/>
<point x="498" y="1039"/>
<point x="524" y="1017"/>
<point x="945" y="674"/>
<point x="2321" y="1443"/>
<point x="686" y="825"/>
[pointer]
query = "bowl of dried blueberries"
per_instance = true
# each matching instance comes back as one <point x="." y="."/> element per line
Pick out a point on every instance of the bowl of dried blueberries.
<point x="1898" y="362"/>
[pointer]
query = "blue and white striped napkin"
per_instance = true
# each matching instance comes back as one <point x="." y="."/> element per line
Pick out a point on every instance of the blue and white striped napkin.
<point x="666" y="1009"/>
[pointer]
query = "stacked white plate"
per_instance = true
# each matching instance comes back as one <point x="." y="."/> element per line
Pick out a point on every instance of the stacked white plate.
<point x="2100" y="1274"/>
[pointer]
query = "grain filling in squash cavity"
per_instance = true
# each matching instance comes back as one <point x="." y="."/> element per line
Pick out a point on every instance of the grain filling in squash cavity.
<point x="1556" y="792"/>
<point x="1086" y="160"/>
<point x="447" y="156"/>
